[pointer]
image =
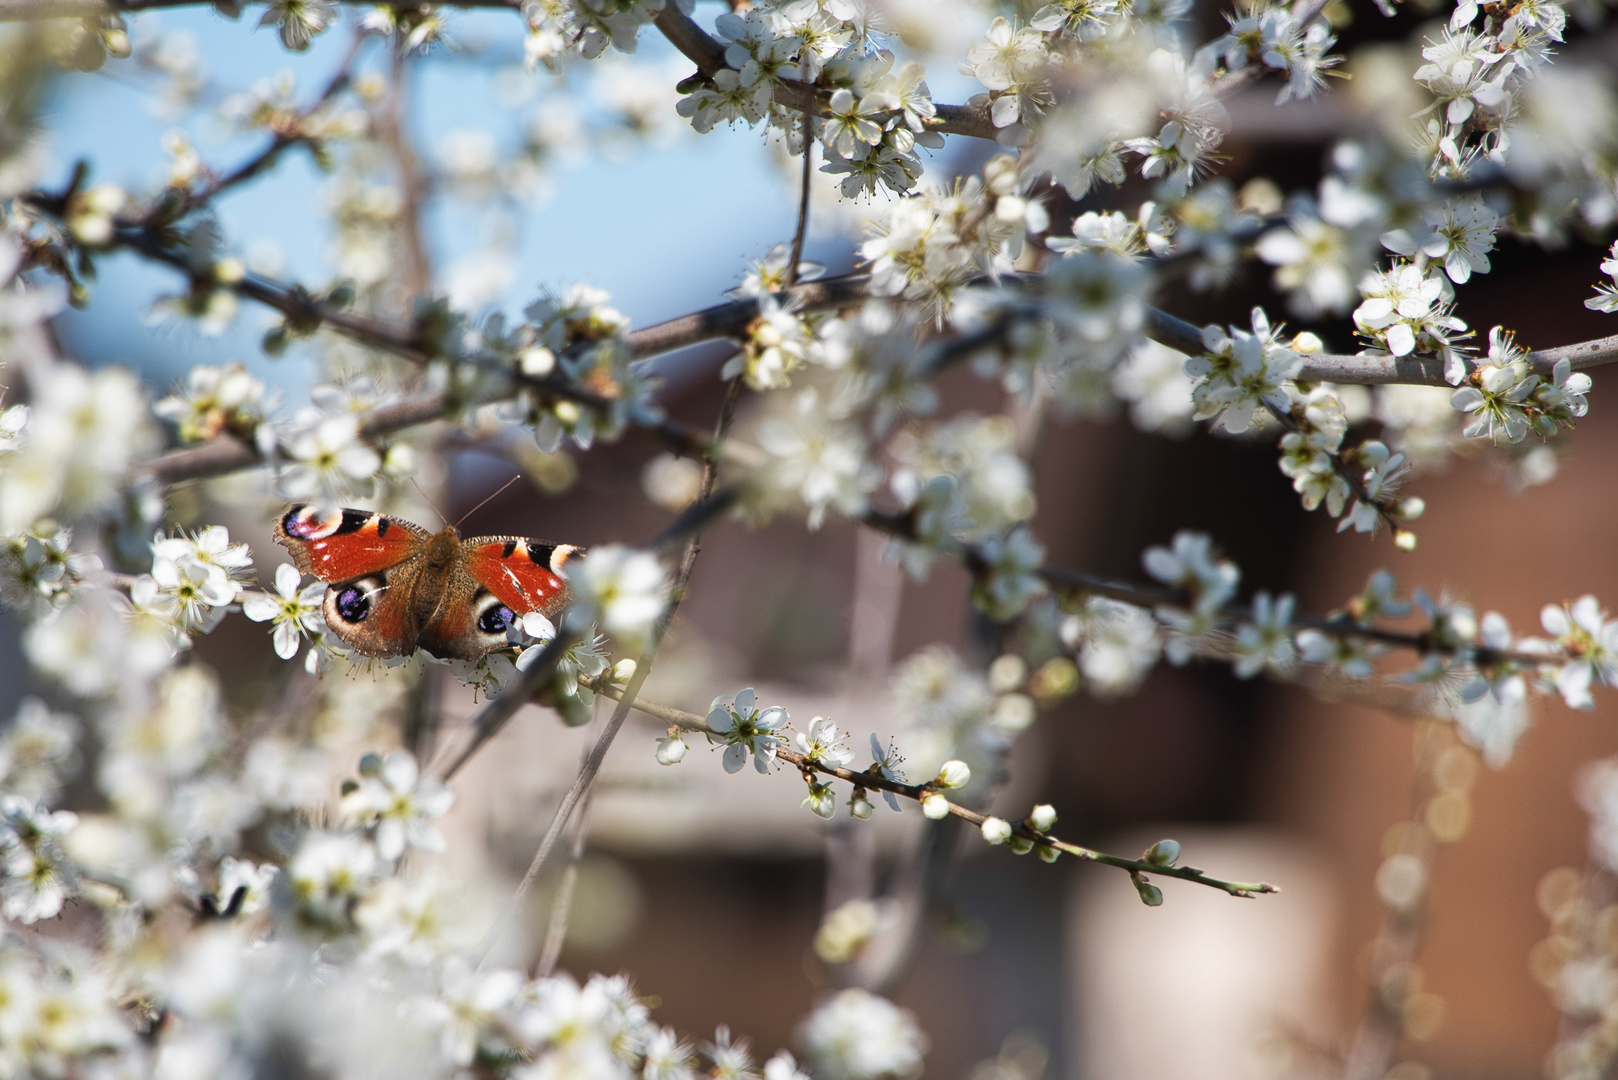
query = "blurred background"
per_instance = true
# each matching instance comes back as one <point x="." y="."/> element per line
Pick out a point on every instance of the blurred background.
<point x="709" y="888"/>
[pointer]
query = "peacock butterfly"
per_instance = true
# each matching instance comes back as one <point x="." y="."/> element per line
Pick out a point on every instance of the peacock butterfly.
<point x="395" y="587"/>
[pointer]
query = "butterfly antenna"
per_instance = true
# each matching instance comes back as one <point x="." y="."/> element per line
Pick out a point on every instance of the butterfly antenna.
<point x="490" y="499"/>
<point x="441" y="515"/>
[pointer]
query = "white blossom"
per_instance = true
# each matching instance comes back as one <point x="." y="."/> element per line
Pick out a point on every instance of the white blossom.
<point x="742" y="728"/>
<point x="1239" y="372"/>
<point x="856" y="1035"/>
<point x="293" y="612"/>
<point x="1117" y="645"/>
<point x="1266" y="641"/>
<point x="38" y="878"/>
<point x="330" y="461"/>
<point x="392" y="797"/>
<point x="628" y="589"/>
<point x="816" y="459"/>
<point x="822" y="743"/>
<point x="1591" y="642"/>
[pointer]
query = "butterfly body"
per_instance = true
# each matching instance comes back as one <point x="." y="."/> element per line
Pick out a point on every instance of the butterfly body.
<point x="394" y="587"/>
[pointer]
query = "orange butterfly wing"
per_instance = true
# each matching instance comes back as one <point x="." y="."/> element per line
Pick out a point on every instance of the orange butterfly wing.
<point x="527" y="575"/>
<point x="347" y="544"/>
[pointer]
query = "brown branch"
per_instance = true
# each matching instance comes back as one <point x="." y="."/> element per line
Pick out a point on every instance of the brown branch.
<point x="228" y="453"/>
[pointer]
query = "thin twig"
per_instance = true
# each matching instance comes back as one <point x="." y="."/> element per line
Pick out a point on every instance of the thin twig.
<point x="598" y="752"/>
<point x="495" y="715"/>
<point x="689" y="721"/>
<point x="282" y="140"/>
<point x="803" y="200"/>
<point x="562" y="902"/>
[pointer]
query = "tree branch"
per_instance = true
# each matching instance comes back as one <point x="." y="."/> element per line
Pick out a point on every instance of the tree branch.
<point x="688" y="721"/>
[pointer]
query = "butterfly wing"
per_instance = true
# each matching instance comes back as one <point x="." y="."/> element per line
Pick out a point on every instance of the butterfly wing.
<point x="345" y="544"/>
<point x="527" y="575"/>
<point x="505" y="578"/>
<point x="369" y="559"/>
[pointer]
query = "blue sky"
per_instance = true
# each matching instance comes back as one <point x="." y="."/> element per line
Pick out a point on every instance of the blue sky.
<point x="664" y="230"/>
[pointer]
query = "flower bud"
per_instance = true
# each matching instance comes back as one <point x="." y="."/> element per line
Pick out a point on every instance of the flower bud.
<point x="1150" y="894"/>
<point x="953" y="774"/>
<point x="1307" y="343"/>
<point x="1047" y="853"/>
<point x="821" y="800"/>
<point x="1412" y="508"/>
<point x="1404" y="540"/>
<point x="623" y="670"/>
<point x="996" y="831"/>
<point x="1020" y="845"/>
<point x="670" y="749"/>
<point x="934" y="806"/>
<point x="1163" y="853"/>
<point x="859" y="804"/>
<point x="1043" y="819"/>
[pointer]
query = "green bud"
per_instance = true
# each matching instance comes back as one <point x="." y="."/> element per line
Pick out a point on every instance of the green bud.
<point x="1163" y="853"/>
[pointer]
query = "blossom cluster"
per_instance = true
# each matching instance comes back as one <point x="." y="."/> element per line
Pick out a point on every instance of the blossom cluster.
<point x="877" y="109"/>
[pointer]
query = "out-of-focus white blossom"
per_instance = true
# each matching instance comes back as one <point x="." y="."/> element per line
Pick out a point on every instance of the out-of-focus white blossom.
<point x="815" y="459"/>
<point x="1117" y="645"/>
<point x="857" y="1035"/>
<point x="83" y="430"/>
<point x="38" y="751"/>
<point x="1591" y="642"/>
<point x="627" y="588"/>
<point x="1266" y="641"/>
<point x="215" y="400"/>
<point x="392" y="798"/>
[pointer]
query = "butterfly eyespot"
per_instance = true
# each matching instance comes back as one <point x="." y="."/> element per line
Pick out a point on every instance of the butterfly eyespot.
<point x="496" y="619"/>
<point x="353" y="604"/>
<point x="308" y="523"/>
